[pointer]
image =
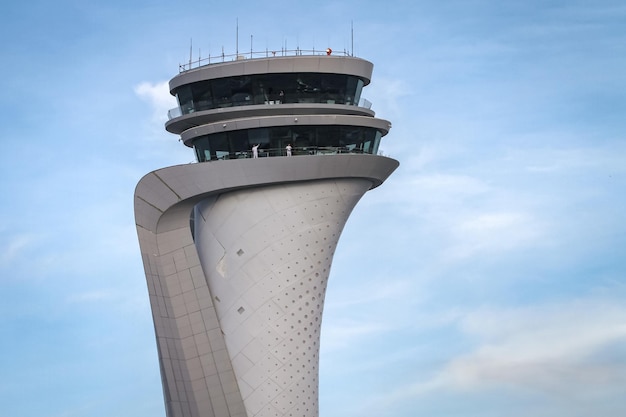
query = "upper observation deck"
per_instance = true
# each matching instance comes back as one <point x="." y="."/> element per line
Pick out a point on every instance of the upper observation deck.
<point x="250" y="87"/>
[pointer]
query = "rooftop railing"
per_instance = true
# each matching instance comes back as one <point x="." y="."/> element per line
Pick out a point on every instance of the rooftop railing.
<point x="218" y="59"/>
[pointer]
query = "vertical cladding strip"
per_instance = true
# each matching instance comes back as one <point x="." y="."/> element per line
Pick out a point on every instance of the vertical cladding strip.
<point x="267" y="254"/>
<point x="199" y="381"/>
<point x="196" y="380"/>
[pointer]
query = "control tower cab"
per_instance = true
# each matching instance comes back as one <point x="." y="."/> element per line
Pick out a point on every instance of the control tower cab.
<point x="311" y="103"/>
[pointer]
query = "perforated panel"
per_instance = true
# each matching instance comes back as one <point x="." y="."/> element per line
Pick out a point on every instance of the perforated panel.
<point x="266" y="253"/>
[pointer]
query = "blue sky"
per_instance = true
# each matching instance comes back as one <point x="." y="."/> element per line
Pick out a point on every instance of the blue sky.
<point x="486" y="277"/>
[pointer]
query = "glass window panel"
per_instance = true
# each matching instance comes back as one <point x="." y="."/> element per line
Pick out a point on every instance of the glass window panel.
<point x="289" y="88"/>
<point x="272" y="85"/>
<point x="201" y="146"/>
<point x="221" y="154"/>
<point x="185" y="99"/>
<point x="280" y="136"/>
<point x="328" y="136"/>
<point x="260" y="136"/>
<point x="368" y="140"/>
<point x="304" y="138"/>
<point x="202" y="95"/>
<point x="221" y="92"/>
<point x="219" y="146"/>
<point x="357" y="93"/>
<point x="351" y="90"/>
<point x="239" y="141"/>
<point x="259" y="95"/>
<point x="332" y="88"/>
<point x="241" y="91"/>
<point x="377" y="138"/>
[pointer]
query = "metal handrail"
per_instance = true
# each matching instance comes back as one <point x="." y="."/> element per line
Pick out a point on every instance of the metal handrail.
<point x="296" y="151"/>
<point x="177" y="111"/>
<point x="200" y="62"/>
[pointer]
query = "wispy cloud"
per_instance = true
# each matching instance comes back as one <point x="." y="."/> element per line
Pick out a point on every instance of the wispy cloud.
<point x="14" y="247"/>
<point x="357" y="309"/>
<point x="159" y="97"/>
<point x="386" y="95"/>
<point x="368" y="293"/>
<point x="556" y="359"/>
<point x="493" y="233"/>
<point x="555" y="347"/>
<point x="347" y="333"/>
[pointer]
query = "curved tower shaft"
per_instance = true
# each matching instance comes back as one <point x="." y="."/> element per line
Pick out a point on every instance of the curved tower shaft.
<point x="237" y="252"/>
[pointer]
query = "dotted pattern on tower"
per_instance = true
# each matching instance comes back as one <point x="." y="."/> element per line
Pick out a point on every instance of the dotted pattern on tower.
<point x="267" y="254"/>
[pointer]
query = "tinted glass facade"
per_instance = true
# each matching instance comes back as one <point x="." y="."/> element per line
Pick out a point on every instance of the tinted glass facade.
<point x="269" y="89"/>
<point x="305" y="140"/>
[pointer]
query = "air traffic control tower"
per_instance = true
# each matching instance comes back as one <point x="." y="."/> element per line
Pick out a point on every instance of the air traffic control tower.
<point x="237" y="248"/>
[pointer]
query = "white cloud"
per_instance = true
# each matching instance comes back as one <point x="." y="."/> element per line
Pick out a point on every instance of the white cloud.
<point x="14" y="247"/>
<point x="430" y="194"/>
<point x="161" y="101"/>
<point x="470" y="215"/>
<point x="386" y="95"/>
<point x="368" y="293"/>
<point x="556" y="358"/>
<point x="453" y="185"/>
<point x="359" y="307"/>
<point x="599" y="158"/>
<point x="339" y="335"/>
<point x="494" y="233"/>
<point x="551" y="348"/>
<point x="159" y="98"/>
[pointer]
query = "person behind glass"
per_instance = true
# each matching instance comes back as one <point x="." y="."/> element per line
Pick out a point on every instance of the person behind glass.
<point x="281" y="97"/>
<point x="255" y="151"/>
<point x="288" y="149"/>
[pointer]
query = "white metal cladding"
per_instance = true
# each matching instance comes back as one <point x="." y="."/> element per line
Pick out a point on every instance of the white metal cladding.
<point x="202" y="363"/>
<point x="267" y="253"/>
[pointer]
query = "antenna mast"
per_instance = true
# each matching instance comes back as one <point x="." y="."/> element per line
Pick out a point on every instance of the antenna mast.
<point x="190" y="51"/>
<point x="352" y="37"/>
